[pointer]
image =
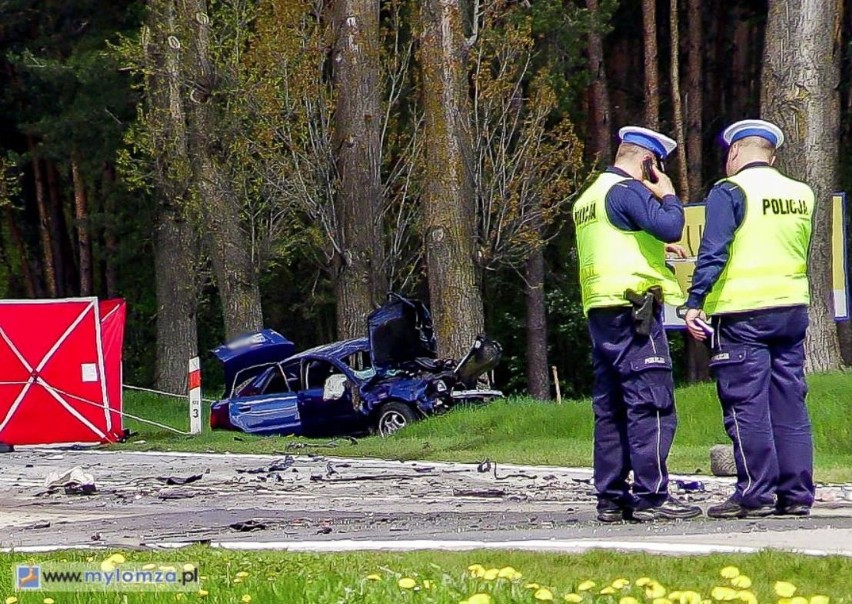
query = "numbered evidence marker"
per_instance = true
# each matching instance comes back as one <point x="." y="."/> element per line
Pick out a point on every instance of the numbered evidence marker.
<point x="194" y="384"/>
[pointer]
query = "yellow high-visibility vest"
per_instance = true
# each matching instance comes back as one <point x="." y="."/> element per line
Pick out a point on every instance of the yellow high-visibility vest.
<point x="768" y="257"/>
<point x="613" y="260"/>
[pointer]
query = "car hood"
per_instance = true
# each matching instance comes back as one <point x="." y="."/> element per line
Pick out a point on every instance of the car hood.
<point x="247" y="356"/>
<point x="399" y="331"/>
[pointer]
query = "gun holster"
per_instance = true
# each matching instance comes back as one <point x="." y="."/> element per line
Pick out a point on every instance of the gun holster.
<point x="644" y="308"/>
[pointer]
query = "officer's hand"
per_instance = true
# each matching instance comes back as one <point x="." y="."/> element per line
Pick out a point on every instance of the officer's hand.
<point x="662" y="187"/>
<point x="693" y="327"/>
<point x="677" y="250"/>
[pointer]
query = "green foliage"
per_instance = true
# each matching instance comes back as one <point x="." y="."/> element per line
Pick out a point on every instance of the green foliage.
<point x="448" y="577"/>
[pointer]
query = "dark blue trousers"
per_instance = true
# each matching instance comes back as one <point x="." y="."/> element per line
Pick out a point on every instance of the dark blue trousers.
<point x="633" y="401"/>
<point x="758" y="363"/>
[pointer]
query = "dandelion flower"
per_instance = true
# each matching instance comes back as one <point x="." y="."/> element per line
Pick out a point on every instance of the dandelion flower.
<point x="748" y="597"/>
<point x="725" y="594"/>
<point x="532" y="586"/>
<point x="474" y="569"/>
<point x="741" y="581"/>
<point x="507" y="572"/>
<point x="406" y="583"/>
<point x="661" y="601"/>
<point x="655" y="590"/>
<point x="107" y="566"/>
<point x="47" y="601"/>
<point x="620" y="583"/>
<point x="202" y="593"/>
<point x="688" y="597"/>
<point x="246" y="598"/>
<point x="188" y="568"/>
<point x="149" y="567"/>
<point x="729" y="572"/>
<point x="427" y="584"/>
<point x="819" y="600"/>
<point x="490" y="574"/>
<point x="373" y="578"/>
<point x="643" y="581"/>
<point x="628" y="600"/>
<point x="573" y="598"/>
<point x="117" y="559"/>
<point x="586" y="585"/>
<point x="238" y="580"/>
<point x="11" y="600"/>
<point x="784" y="589"/>
<point x="799" y="600"/>
<point x="543" y="594"/>
<point x="607" y="591"/>
<point x="479" y="599"/>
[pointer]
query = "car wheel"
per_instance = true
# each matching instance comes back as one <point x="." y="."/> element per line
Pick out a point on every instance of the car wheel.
<point x="394" y="416"/>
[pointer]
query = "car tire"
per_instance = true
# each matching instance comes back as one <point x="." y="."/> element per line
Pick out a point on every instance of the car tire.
<point x="392" y="417"/>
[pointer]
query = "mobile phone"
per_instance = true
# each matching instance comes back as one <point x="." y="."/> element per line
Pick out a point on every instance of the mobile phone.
<point x="648" y="171"/>
<point x="705" y="327"/>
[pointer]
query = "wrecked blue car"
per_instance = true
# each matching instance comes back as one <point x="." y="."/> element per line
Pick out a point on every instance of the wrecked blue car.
<point x="379" y="383"/>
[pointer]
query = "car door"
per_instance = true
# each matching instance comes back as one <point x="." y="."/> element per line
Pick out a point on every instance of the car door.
<point x="324" y="399"/>
<point x="274" y="410"/>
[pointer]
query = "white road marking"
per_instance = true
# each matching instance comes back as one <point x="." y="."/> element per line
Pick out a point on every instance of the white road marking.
<point x="540" y="545"/>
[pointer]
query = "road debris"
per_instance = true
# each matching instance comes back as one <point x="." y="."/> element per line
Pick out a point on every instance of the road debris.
<point x="75" y="482"/>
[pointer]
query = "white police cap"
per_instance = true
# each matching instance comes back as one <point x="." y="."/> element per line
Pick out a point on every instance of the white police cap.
<point x="659" y="144"/>
<point x="760" y="128"/>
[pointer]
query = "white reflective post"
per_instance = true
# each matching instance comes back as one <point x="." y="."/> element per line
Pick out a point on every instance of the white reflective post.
<point x="194" y="384"/>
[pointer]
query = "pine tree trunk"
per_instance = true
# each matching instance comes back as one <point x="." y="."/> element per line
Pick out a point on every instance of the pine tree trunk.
<point x="81" y="215"/>
<point x="740" y="80"/>
<point x="44" y="223"/>
<point x="226" y="241"/>
<point x="677" y="102"/>
<point x="652" y="74"/>
<point x="694" y="102"/>
<point x="800" y="94"/>
<point x="538" y="377"/>
<point x="110" y="241"/>
<point x="31" y="285"/>
<point x="449" y="204"/>
<point x="601" y="145"/>
<point x="357" y="141"/>
<point x="59" y="236"/>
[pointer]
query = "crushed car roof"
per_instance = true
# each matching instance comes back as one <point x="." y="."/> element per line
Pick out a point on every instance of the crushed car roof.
<point x="335" y="349"/>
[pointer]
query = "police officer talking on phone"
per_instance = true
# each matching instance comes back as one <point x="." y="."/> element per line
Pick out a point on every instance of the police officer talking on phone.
<point x="623" y="222"/>
<point x="751" y="277"/>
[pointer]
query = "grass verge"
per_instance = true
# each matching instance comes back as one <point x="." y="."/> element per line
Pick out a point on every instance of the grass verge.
<point x="446" y="577"/>
<point x="520" y="430"/>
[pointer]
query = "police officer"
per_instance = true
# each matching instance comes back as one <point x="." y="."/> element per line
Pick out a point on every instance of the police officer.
<point x="622" y="221"/>
<point x="751" y="276"/>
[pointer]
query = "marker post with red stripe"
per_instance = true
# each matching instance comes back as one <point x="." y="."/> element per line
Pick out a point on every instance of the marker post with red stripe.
<point x="194" y="383"/>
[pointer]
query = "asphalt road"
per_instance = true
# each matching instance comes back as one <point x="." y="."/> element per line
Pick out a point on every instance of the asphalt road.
<point x="318" y="503"/>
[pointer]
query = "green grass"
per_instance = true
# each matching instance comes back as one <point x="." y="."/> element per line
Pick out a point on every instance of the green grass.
<point x="343" y="578"/>
<point x="521" y="431"/>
